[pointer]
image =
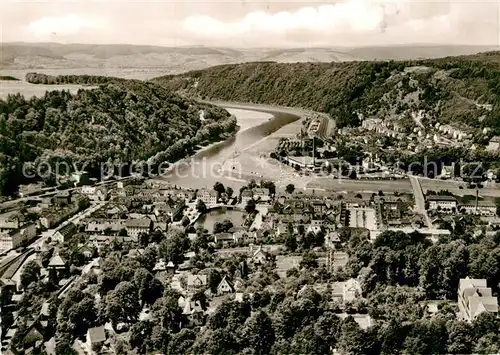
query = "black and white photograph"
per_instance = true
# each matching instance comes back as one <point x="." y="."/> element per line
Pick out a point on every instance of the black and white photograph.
<point x="249" y="177"/>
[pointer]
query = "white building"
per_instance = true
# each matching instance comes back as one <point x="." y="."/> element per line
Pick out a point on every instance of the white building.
<point x="351" y="290"/>
<point x="261" y="194"/>
<point x="225" y="287"/>
<point x="196" y="281"/>
<point x="209" y="197"/>
<point x="10" y="221"/>
<point x="444" y="203"/>
<point x="137" y="226"/>
<point x="474" y="298"/>
<point x="95" y="193"/>
<point x="17" y="237"/>
<point x="483" y="208"/>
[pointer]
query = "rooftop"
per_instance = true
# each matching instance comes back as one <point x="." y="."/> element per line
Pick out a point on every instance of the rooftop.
<point x="441" y="198"/>
<point x="96" y="335"/>
<point x="138" y="222"/>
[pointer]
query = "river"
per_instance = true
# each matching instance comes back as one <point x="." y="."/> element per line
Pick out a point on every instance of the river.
<point x="215" y="163"/>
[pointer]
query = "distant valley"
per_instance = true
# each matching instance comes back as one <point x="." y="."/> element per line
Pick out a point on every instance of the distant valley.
<point x="145" y="62"/>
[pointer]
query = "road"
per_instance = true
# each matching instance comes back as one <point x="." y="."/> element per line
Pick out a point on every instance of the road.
<point x="418" y="194"/>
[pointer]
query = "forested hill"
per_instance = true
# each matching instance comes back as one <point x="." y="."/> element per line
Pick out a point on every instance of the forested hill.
<point x="125" y="121"/>
<point x="463" y="90"/>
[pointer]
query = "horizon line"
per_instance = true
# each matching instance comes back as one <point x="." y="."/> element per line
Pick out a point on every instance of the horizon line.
<point x="416" y="44"/>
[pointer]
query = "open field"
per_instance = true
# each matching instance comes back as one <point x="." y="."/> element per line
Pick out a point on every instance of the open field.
<point x="29" y="90"/>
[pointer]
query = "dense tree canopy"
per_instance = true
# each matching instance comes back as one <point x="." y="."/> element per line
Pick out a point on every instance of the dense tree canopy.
<point x="119" y="122"/>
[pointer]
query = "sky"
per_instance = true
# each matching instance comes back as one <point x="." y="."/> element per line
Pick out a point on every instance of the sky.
<point x="271" y="23"/>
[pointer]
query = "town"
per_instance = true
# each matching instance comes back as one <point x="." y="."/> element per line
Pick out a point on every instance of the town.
<point x="98" y="266"/>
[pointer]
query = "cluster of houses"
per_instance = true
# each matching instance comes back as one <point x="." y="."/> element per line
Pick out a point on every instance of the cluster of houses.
<point x="138" y="209"/>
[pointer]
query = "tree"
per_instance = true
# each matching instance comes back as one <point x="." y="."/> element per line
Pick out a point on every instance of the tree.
<point x="351" y="339"/>
<point x="143" y="239"/>
<point x="259" y="333"/>
<point x="250" y="206"/>
<point x="148" y="258"/>
<point x="201" y="242"/>
<point x="229" y="314"/>
<point x="139" y="335"/>
<point x="290" y="188"/>
<point x="485" y="323"/>
<point x="291" y="242"/>
<point x="229" y="191"/>
<point x="488" y="344"/>
<point x="83" y="204"/>
<point x="326" y="326"/>
<point x="214" y="279"/>
<point x="159" y="338"/>
<point x="252" y="184"/>
<point x="82" y="315"/>
<point x="185" y="221"/>
<point x="149" y="289"/>
<point x="309" y="260"/>
<point x="30" y="273"/>
<point x="219" y="188"/>
<point x="166" y="310"/>
<point x="222" y="227"/>
<point x="122" y="304"/>
<point x="460" y="338"/>
<point x="270" y="186"/>
<point x="156" y="236"/>
<point x="174" y="247"/>
<point x="181" y="342"/>
<point x="201" y="206"/>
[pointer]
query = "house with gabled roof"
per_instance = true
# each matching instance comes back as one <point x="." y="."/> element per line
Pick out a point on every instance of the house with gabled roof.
<point x="474" y="298"/>
<point x="57" y="262"/>
<point x="225" y="286"/>
<point x="259" y="256"/>
<point x="65" y="233"/>
<point x="196" y="281"/>
<point x="194" y="313"/>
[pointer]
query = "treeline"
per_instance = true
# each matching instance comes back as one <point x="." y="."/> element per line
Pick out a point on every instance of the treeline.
<point x="8" y="78"/>
<point x="445" y="89"/>
<point x="122" y="122"/>
<point x="40" y="78"/>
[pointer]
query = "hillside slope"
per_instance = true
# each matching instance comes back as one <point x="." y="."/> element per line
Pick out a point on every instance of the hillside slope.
<point x="121" y="122"/>
<point x="459" y="90"/>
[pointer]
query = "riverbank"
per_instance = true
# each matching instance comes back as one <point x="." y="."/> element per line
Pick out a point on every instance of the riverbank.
<point x="242" y="116"/>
